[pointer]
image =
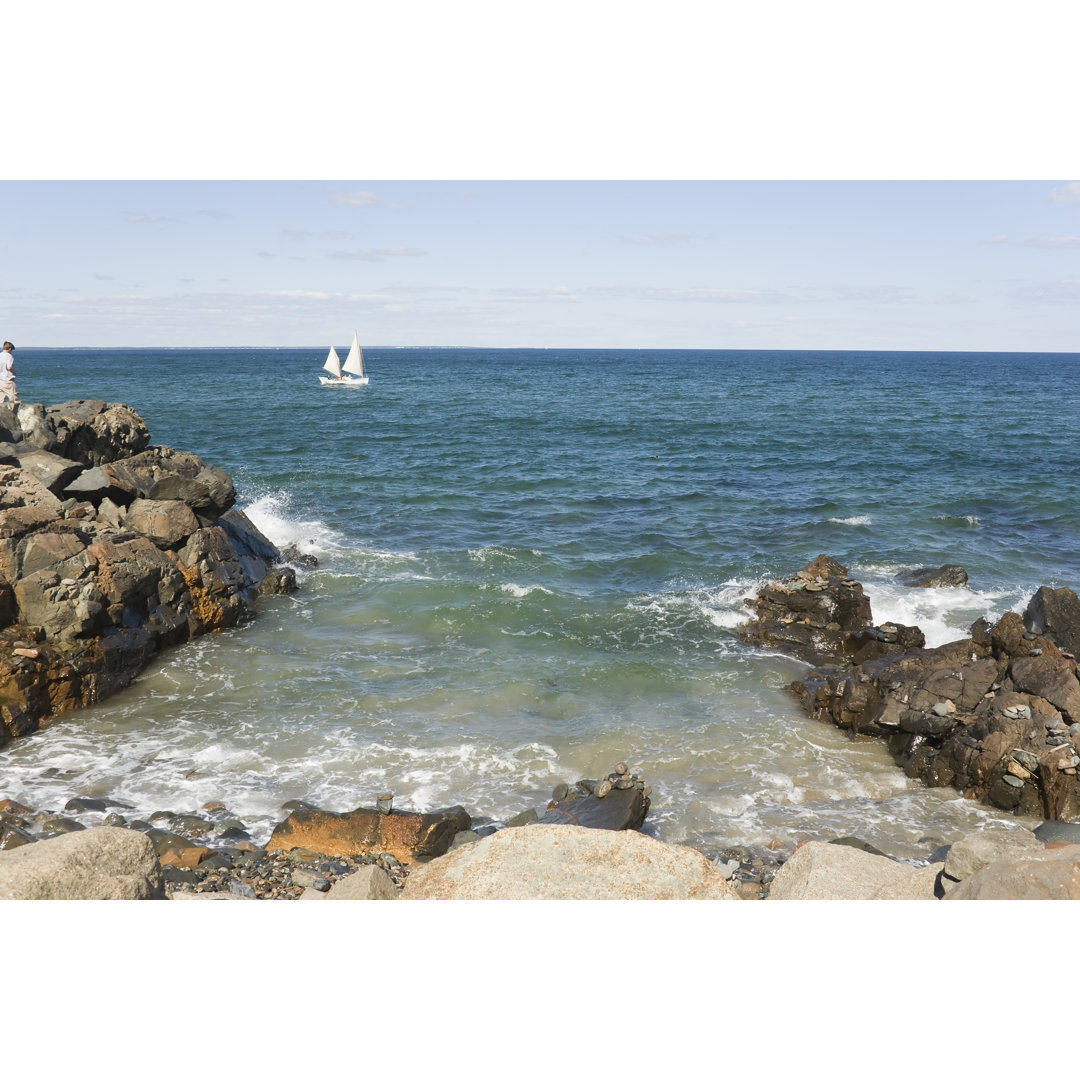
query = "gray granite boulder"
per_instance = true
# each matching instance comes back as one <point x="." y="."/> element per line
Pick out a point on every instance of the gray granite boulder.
<point x="368" y="883"/>
<point x="1052" y="874"/>
<point x="93" y="864"/>
<point x="567" y="862"/>
<point x="824" y="871"/>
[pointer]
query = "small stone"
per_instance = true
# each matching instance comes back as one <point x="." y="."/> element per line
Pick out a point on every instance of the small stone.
<point x="621" y="769"/>
<point x="1034" y="652"/>
<point x="1018" y="770"/>
<point x="943" y="708"/>
<point x="384" y="803"/>
<point x="213" y="807"/>
<point x="1027" y="760"/>
<point x="602" y="789"/>
<point x="560" y="793"/>
<point x="625" y="783"/>
<point x="1013" y="781"/>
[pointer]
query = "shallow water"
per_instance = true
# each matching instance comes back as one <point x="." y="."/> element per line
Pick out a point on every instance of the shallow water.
<point x="532" y="564"/>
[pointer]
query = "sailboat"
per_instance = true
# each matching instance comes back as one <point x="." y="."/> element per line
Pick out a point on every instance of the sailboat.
<point x="354" y="365"/>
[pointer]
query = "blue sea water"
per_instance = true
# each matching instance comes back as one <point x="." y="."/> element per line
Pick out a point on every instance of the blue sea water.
<point x="532" y="564"/>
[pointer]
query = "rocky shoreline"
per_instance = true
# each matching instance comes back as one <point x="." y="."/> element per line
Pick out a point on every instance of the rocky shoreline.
<point x="93" y="851"/>
<point x="112" y="549"/>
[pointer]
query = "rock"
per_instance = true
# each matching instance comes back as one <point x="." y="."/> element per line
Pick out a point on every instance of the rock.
<point x="368" y="883"/>
<point x="184" y="894"/>
<point x="615" y="809"/>
<point x="556" y="862"/>
<point x="979" y="714"/>
<point x="94" y="864"/>
<point x="167" y="522"/>
<point x="1050" y="677"/>
<point x="816" y="626"/>
<point x="1042" y="875"/>
<point x="1055" y="613"/>
<point x="976" y="850"/>
<point x="145" y="552"/>
<point x="1050" y="831"/>
<point x="941" y="577"/>
<point x="402" y="834"/>
<point x="13" y="836"/>
<point x="824" y="871"/>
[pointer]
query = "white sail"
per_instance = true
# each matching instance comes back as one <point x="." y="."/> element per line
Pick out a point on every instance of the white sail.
<point x="333" y="364"/>
<point x="354" y="362"/>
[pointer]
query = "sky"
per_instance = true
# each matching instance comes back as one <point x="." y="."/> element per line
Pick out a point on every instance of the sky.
<point x="870" y="264"/>
<point x="587" y="174"/>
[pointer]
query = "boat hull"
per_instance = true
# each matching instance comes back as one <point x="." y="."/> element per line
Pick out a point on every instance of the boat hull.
<point x="346" y="380"/>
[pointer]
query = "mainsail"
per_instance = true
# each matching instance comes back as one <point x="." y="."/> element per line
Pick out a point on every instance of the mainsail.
<point x="354" y="362"/>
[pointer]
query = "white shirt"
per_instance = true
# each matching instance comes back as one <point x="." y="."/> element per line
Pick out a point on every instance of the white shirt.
<point x="6" y="372"/>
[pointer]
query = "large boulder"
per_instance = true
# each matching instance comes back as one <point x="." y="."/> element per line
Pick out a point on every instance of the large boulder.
<point x="89" y="432"/>
<point x="557" y="862"/>
<point x="822" y="871"/>
<point x="102" y="863"/>
<point x="404" y="834"/>
<point x="1039" y="875"/>
<point x="977" y="850"/>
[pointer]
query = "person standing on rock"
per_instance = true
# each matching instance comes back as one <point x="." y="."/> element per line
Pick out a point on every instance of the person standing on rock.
<point x="7" y="374"/>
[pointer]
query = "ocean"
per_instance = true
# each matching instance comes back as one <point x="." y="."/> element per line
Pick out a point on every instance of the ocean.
<point x="532" y="563"/>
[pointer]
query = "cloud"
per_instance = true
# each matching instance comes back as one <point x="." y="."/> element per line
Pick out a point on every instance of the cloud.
<point x="1053" y="292"/>
<point x="104" y="277"/>
<point x="999" y="239"/>
<point x="658" y="239"/>
<point x="1053" y="243"/>
<point x="210" y="212"/>
<point x="362" y="199"/>
<point x="377" y="254"/>
<point x="1068" y="193"/>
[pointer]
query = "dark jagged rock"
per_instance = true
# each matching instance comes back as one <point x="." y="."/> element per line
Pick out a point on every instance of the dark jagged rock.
<point x="822" y="616"/>
<point x="1055" y="613"/>
<point x="995" y="715"/>
<point x="109" y="551"/>
<point x="928" y="577"/>
<point x="621" y="801"/>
